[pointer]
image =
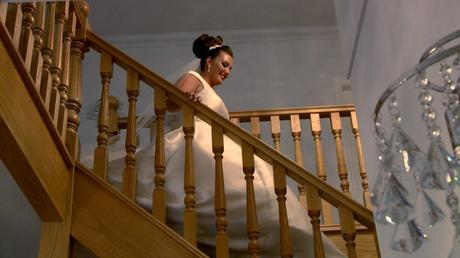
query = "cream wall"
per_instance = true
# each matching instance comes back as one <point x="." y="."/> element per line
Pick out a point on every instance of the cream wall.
<point x="394" y="35"/>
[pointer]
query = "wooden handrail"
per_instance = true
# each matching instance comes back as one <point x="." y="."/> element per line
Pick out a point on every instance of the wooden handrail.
<point x="81" y="8"/>
<point x="296" y="172"/>
<point x="285" y="113"/>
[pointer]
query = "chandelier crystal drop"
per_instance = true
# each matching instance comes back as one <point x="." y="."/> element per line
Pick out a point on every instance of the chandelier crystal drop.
<point x="412" y="168"/>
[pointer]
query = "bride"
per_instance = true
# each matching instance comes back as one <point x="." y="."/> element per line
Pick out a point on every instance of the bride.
<point x="216" y="61"/>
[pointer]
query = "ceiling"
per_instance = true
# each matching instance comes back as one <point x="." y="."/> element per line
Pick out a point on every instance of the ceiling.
<point x="149" y="16"/>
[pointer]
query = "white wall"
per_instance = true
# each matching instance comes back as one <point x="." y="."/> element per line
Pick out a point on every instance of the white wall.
<point x="19" y="223"/>
<point x="394" y="35"/>
<point x="348" y="14"/>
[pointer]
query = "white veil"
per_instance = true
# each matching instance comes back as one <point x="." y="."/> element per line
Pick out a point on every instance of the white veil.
<point x="147" y="115"/>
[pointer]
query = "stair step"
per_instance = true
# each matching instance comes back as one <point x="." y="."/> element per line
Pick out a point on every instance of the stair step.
<point x="366" y="246"/>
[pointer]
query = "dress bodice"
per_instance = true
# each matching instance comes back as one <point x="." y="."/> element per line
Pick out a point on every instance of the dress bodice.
<point x="210" y="98"/>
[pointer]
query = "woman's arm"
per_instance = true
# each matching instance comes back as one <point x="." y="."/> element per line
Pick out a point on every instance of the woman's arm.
<point x="190" y="85"/>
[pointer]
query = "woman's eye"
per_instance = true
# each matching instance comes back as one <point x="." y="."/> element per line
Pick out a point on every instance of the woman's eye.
<point x="226" y="65"/>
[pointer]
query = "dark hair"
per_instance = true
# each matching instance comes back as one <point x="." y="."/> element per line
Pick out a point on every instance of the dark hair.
<point x="202" y="44"/>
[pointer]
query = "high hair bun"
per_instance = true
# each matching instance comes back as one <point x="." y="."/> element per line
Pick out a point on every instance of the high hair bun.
<point x="202" y="44"/>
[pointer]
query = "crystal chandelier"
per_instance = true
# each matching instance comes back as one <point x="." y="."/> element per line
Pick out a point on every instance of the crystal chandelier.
<point x="407" y="173"/>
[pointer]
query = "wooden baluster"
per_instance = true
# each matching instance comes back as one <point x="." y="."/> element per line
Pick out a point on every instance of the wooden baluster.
<point x="276" y="131"/>
<point x="69" y="31"/>
<point x="113" y="117"/>
<point x="315" y="123"/>
<point x="74" y="102"/>
<point x="153" y="132"/>
<point x="13" y="22"/>
<point x="347" y="225"/>
<point x="314" y="211"/>
<point x="359" y="150"/>
<point x="47" y="53"/>
<point x="77" y="48"/>
<point x="279" y="175"/>
<point x="189" y="178"/>
<point x="255" y="126"/>
<point x="336" y="125"/>
<point x="26" y="39"/>
<point x="235" y="120"/>
<point x="296" y="133"/>
<point x="62" y="9"/>
<point x="159" y="198"/>
<point x="220" y="203"/>
<point x="129" y="173"/>
<point x="37" y="59"/>
<point x="3" y="11"/>
<point x="100" y="153"/>
<point x="251" y="208"/>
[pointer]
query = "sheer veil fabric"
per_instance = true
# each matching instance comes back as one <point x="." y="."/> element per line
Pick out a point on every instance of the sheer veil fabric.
<point x="146" y="116"/>
<point x="116" y="144"/>
<point x="235" y="188"/>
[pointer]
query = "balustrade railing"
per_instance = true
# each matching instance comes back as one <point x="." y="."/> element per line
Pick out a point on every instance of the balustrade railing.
<point x="271" y="121"/>
<point x="49" y="37"/>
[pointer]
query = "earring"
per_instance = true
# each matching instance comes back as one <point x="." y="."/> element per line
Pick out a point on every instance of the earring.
<point x="209" y="68"/>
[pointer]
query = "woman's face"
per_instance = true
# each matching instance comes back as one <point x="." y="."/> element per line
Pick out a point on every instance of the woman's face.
<point x="220" y="68"/>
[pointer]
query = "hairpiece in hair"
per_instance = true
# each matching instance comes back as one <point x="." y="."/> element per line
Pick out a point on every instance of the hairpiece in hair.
<point x="214" y="47"/>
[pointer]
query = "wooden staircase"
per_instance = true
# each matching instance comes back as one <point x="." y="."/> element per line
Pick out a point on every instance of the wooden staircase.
<point x="50" y="181"/>
<point x="101" y="215"/>
<point x="42" y="47"/>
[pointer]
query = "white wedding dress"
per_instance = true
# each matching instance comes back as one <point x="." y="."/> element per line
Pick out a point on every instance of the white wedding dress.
<point x="235" y="190"/>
